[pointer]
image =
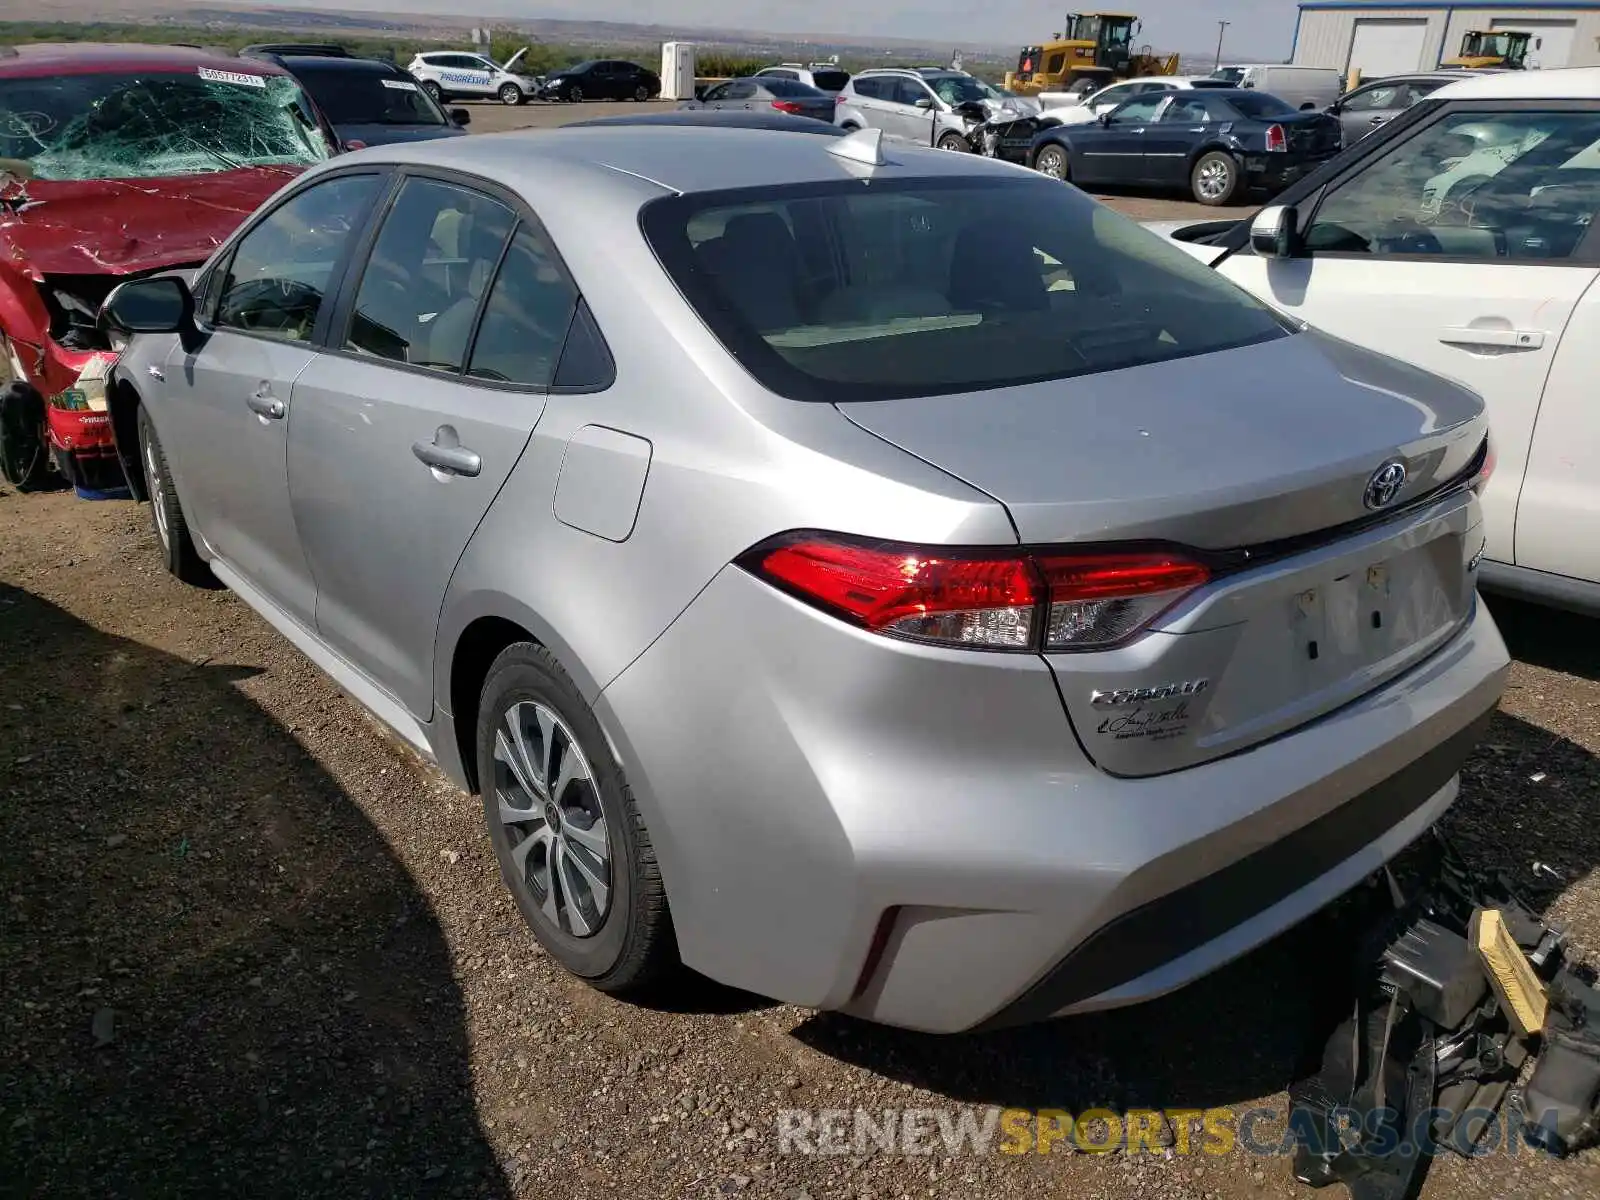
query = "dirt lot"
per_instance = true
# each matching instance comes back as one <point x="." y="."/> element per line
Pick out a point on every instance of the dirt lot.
<point x="496" y="118"/>
<point x="250" y="947"/>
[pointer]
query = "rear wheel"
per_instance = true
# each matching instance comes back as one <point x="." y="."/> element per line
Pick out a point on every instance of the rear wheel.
<point x="574" y="94"/>
<point x="510" y="95"/>
<point x="571" y="845"/>
<point x="172" y="529"/>
<point x="1051" y="161"/>
<point x="24" y="455"/>
<point x="955" y="142"/>
<point x="1215" y="178"/>
<point x="641" y="94"/>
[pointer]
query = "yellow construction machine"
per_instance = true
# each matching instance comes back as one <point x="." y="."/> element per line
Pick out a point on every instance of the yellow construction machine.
<point x="1093" y="50"/>
<point x="1481" y="48"/>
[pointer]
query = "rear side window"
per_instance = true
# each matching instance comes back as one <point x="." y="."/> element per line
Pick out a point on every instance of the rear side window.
<point x="872" y="88"/>
<point x="527" y="315"/>
<point x="864" y="291"/>
<point x="790" y="87"/>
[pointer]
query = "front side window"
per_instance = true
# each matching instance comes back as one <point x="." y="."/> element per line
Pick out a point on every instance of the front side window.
<point x="1374" y="99"/>
<point x="862" y="291"/>
<point x="1140" y="111"/>
<point x="741" y="90"/>
<point x="419" y="291"/>
<point x="1479" y="184"/>
<point x="278" y="279"/>
<point x="909" y="91"/>
<point x="140" y="126"/>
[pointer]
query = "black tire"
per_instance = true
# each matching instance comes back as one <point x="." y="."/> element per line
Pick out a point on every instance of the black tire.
<point x="166" y="513"/>
<point x="1215" y="178"/>
<point x="510" y="95"/>
<point x="24" y="449"/>
<point x="631" y="946"/>
<point x="955" y="142"/>
<point x="1052" y="161"/>
<point x="574" y="94"/>
<point x="850" y="127"/>
<point x="433" y="90"/>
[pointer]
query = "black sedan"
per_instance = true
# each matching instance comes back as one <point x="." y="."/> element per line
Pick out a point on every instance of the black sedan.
<point x="1217" y="142"/>
<point x="369" y="102"/>
<point x="785" y="95"/>
<point x="601" y="79"/>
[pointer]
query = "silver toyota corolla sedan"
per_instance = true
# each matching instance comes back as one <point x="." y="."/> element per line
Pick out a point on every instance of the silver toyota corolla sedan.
<point x="883" y="580"/>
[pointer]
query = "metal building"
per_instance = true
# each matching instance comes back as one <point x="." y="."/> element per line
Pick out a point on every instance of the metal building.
<point x="1386" y="38"/>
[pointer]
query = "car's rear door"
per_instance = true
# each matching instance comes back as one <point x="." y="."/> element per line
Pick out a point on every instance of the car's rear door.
<point x="223" y="409"/>
<point x="444" y="344"/>
<point x="1467" y="262"/>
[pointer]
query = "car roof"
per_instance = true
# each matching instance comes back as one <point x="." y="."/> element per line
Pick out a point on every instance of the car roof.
<point x="720" y="118"/>
<point x="304" y="63"/>
<point x="81" y="58"/>
<point x="1562" y="83"/>
<point x="680" y="157"/>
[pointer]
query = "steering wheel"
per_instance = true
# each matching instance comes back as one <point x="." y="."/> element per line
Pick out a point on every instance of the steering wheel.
<point x="1408" y="237"/>
<point x="272" y="305"/>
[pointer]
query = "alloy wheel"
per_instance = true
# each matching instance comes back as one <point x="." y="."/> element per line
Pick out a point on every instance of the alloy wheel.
<point x="156" y="486"/>
<point x="1212" y="183"/>
<point x="546" y="798"/>
<point x="1052" y="162"/>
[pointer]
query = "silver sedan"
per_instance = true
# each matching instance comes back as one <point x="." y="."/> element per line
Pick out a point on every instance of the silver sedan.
<point x="883" y="580"/>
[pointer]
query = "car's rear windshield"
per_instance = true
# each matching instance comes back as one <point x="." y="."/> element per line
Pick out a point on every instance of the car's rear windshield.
<point x="1260" y="106"/>
<point x="831" y="81"/>
<point x="363" y="97"/>
<point x="792" y="88"/>
<point x="875" y="289"/>
<point x="149" y="125"/>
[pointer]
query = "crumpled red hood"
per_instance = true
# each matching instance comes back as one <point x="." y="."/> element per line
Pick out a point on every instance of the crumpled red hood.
<point x="123" y="226"/>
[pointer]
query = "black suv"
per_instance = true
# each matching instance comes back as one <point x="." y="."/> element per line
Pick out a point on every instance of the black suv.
<point x="369" y="102"/>
<point x="602" y="79"/>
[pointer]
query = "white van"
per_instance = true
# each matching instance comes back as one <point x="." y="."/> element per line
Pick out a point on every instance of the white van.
<point x="1312" y="88"/>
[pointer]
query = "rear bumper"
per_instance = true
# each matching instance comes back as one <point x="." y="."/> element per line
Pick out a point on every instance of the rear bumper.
<point x="1275" y="172"/>
<point x="914" y="836"/>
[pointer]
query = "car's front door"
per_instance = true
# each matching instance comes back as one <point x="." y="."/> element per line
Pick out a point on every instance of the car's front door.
<point x="226" y="404"/>
<point x="1169" y="141"/>
<point x="445" y="343"/>
<point x="737" y="94"/>
<point x="468" y="75"/>
<point x="1365" y="110"/>
<point x="1463" y="246"/>
<point x="913" y="112"/>
<point x="1111" y="149"/>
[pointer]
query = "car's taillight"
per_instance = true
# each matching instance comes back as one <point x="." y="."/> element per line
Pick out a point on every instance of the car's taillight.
<point x="838" y="98"/>
<point x="982" y="599"/>
<point x="788" y="106"/>
<point x="1485" y="469"/>
<point x="1277" y="140"/>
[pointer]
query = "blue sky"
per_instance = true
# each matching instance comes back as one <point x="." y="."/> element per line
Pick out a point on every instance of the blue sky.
<point x="1260" y="28"/>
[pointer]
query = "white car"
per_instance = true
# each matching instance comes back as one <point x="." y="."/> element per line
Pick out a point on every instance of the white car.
<point x="1073" y="108"/>
<point x="1462" y="238"/>
<point x="459" y="74"/>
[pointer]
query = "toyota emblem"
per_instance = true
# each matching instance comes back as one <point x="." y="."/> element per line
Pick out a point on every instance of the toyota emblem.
<point x="1385" y="484"/>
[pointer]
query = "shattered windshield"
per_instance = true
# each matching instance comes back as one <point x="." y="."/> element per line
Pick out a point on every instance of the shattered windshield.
<point x="131" y="126"/>
<point x="365" y="98"/>
<point x="957" y="89"/>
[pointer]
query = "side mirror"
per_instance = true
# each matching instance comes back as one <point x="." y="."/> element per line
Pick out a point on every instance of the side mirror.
<point x="161" y="304"/>
<point x="460" y="117"/>
<point x="1272" y="231"/>
<point x="1105" y="117"/>
<point x="923" y="102"/>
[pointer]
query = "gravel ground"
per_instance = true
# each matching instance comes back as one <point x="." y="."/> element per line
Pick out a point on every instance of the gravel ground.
<point x="251" y="946"/>
<point x="497" y="118"/>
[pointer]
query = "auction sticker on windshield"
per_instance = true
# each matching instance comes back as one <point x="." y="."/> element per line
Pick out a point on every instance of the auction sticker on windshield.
<point x="212" y="75"/>
<point x="399" y="85"/>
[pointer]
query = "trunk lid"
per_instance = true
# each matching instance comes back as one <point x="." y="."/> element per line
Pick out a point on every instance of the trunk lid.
<point x="1312" y="133"/>
<point x="1259" y="460"/>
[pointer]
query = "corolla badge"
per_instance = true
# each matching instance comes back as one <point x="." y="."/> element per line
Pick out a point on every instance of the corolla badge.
<point x="1167" y="691"/>
<point x="1385" y="484"/>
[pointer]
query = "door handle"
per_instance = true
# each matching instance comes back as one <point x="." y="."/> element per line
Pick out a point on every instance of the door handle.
<point x="1516" y="339"/>
<point x="1377" y="120"/>
<point x="446" y="453"/>
<point x="265" y="404"/>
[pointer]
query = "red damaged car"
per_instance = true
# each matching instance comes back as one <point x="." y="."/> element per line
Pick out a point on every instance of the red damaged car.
<point x="117" y="161"/>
